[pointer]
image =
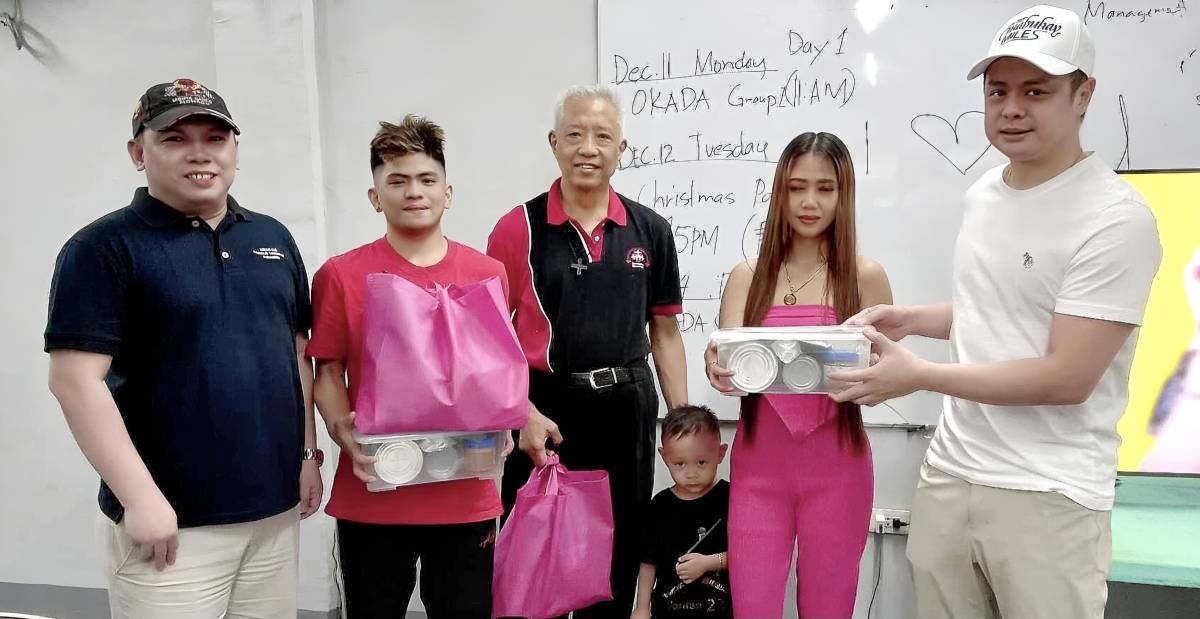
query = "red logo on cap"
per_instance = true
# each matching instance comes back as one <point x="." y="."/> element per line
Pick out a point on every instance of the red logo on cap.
<point x="187" y="91"/>
<point x="185" y="87"/>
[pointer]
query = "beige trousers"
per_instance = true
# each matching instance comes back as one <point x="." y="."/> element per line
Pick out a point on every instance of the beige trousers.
<point x="237" y="571"/>
<point x="983" y="552"/>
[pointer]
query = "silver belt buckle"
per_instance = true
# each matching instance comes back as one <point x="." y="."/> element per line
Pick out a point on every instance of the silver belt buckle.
<point x="592" y="377"/>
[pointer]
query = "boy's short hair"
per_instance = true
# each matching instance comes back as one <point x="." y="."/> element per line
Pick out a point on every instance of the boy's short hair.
<point x="414" y="134"/>
<point x="690" y="419"/>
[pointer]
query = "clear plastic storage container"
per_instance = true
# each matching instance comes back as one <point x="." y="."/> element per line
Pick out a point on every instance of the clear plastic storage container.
<point x="789" y="359"/>
<point x="409" y="459"/>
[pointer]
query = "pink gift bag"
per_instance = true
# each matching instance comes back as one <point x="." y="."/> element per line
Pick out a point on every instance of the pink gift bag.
<point x="554" y="554"/>
<point x="439" y="359"/>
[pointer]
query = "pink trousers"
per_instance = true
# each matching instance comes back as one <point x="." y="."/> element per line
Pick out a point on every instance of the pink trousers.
<point x="796" y="487"/>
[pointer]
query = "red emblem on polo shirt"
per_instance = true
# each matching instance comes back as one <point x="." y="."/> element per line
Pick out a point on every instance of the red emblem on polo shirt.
<point x="638" y="258"/>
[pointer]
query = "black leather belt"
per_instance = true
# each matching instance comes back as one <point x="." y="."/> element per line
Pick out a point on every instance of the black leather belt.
<point x="604" y="378"/>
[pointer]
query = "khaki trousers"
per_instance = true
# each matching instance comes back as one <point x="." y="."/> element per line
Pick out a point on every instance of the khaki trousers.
<point x="983" y="552"/>
<point x="243" y="571"/>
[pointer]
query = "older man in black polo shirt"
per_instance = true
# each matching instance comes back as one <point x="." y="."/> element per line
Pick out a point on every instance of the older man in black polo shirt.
<point x="176" y="333"/>
<point x="588" y="270"/>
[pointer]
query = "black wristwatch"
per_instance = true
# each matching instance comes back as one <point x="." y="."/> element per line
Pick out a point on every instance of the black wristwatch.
<point x="313" y="454"/>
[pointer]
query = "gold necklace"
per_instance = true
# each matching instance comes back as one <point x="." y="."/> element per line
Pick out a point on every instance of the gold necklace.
<point x="790" y="297"/>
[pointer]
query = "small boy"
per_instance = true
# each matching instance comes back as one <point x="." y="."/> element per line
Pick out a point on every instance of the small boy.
<point x="683" y="574"/>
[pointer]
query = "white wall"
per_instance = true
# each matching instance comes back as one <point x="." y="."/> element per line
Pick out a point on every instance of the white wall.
<point x="488" y="72"/>
<point x="64" y="119"/>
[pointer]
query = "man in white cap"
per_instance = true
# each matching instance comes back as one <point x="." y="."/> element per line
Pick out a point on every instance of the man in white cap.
<point x="1011" y="515"/>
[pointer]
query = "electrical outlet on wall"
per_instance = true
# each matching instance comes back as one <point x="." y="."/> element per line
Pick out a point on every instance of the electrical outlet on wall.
<point x="890" y="521"/>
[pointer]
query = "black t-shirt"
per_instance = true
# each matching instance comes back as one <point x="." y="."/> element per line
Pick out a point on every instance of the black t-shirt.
<point x="675" y="526"/>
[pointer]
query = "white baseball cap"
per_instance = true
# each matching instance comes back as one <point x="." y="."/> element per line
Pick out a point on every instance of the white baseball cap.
<point x="1053" y="39"/>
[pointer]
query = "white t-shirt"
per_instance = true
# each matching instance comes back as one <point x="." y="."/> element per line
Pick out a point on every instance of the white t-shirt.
<point x="1083" y="243"/>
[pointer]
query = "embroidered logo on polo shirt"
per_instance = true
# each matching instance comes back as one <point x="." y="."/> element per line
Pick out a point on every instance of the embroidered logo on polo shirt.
<point x="1028" y="263"/>
<point x="637" y="258"/>
<point x="268" y="253"/>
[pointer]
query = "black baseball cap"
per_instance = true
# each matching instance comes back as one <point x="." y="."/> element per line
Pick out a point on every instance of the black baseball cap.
<point x="165" y="104"/>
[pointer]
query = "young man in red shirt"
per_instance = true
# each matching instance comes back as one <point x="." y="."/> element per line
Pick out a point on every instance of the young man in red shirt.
<point x="449" y="526"/>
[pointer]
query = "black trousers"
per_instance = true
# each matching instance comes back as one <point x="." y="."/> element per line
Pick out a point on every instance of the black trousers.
<point x="379" y="568"/>
<point x="611" y="429"/>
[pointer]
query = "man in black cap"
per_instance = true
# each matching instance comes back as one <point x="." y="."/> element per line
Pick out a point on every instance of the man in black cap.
<point x="176" y="333"/>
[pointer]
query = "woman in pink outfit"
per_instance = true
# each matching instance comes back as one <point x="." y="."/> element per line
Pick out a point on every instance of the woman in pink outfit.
<point x="801" y="474"/>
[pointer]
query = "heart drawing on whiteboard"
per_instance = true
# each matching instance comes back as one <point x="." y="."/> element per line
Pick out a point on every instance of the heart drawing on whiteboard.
<point x="961" y="144"/>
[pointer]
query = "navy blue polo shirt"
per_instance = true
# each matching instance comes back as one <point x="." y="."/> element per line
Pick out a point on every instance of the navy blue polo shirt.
<point x="201" y="328"/>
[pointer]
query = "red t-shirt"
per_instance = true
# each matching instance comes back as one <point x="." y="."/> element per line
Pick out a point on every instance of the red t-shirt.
<point x="339" y="298"/>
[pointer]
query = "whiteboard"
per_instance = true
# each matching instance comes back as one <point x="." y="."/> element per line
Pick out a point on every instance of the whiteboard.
<point x="713" y="90"/>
